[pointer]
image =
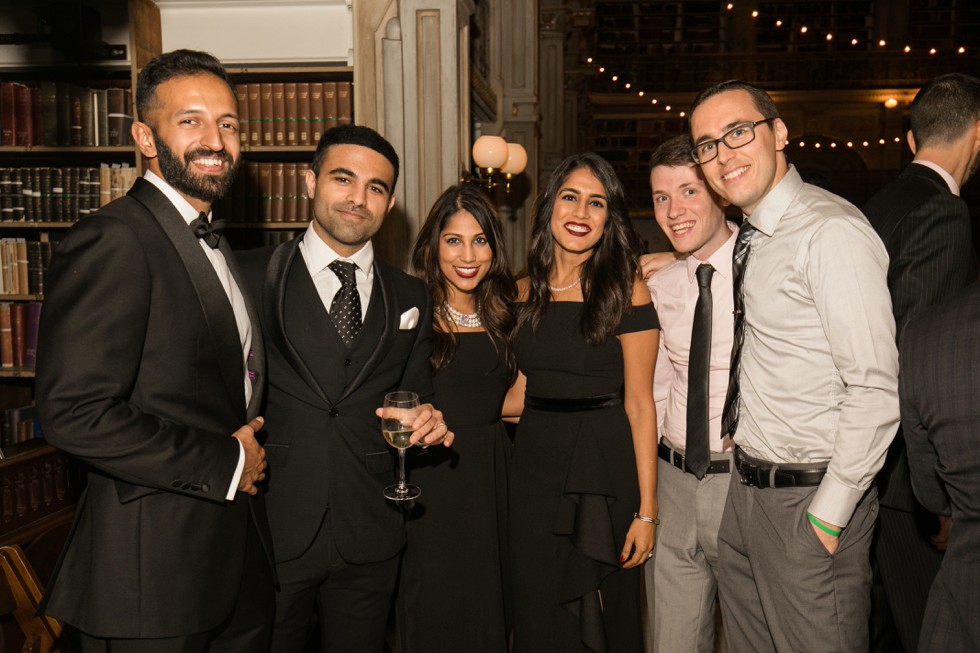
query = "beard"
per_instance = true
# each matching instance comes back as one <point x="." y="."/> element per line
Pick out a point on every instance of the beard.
<point x="177" y="173"/>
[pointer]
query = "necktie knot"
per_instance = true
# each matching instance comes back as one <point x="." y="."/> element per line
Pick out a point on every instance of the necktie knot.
<point x="703" y="273"/>
<point x="344" y="271"/>
<point x="209" y="232"/>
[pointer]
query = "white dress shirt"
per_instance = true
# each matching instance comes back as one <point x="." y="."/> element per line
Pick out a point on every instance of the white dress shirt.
<point x="674" y="290"/>
<point x="217" y="259"/>
<point x="819" y="366"/>
<point x="954" y="188"/>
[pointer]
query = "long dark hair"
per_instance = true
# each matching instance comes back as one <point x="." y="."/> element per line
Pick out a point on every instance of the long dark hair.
<point x="495" y="291"/>
<point x="608" y="275"/>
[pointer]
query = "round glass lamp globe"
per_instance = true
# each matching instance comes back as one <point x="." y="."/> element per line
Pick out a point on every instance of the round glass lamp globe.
<point x="516" y="159"/>
<point x="490" y="152"/>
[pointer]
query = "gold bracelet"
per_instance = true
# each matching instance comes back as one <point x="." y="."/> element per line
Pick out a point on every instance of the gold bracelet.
<point x="649" y="520"/>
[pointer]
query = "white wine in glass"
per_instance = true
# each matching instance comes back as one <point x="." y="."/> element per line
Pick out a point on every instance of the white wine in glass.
<point x="397" y="415"/>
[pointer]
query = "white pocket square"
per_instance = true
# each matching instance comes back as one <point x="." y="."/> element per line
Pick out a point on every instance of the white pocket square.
<point x="409" y="319"/>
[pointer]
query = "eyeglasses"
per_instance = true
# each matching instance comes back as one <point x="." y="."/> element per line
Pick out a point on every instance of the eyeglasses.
<point x="738" y="136"/>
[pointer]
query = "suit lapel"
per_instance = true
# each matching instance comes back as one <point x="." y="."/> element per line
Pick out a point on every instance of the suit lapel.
<point x="274" y="306"/>
<point x="215" y="305"/>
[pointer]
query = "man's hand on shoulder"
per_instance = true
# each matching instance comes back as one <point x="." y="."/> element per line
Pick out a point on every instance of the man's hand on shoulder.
<point x="254" y="469"/>
<point x="653" y="263"/>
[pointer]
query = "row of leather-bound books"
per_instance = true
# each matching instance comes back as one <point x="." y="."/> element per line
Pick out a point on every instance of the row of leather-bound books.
<point x="267" y="192"/>
<point x="61" y="114"/>
<point x="276" y="114"/>
<point x="60" y="194"/>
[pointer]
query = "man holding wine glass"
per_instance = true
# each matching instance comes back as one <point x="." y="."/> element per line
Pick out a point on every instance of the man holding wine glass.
<point x="343" y="329"/>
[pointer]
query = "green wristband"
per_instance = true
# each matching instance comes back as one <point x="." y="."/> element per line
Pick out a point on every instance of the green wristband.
<point x="819" y="524"/>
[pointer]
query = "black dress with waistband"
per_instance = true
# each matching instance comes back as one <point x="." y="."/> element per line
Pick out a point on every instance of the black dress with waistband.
<point x="573" y="492"/>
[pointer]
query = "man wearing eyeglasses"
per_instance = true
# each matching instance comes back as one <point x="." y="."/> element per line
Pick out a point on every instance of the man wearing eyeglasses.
<point x="813" y="398"/>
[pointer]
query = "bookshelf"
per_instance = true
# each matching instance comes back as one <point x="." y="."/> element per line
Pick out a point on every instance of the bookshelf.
<point x="65" y="149"/>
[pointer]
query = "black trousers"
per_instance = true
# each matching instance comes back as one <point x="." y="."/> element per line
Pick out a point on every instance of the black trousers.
<point x="351" y="601"/>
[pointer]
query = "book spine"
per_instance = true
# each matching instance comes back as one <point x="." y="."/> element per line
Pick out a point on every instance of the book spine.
<point x="316" y="112"/>
<point x="18" y="320"/>
<point x="49" y="113"/>
<point x="33" y="318"/>
<point x="8" y="114"/>
<point x="345" y="114"/>
<point x="278" y="192"/>
<point x="6" y="336"/>
<point x="291" y="192"/>
<point x="265" y="192"/>
<point x="290" y="114"/>
<point x="241" y="92"/>
<point x="37" y="118"/>
<point x="268" y="112"/>
<point x="278" y="114"/>
<point x="303" y="113"/>
<point x="254" y="114"/>
<point x="23" y="127"/>
<point x="303" y="210"/>
<point x="329" y="105"/>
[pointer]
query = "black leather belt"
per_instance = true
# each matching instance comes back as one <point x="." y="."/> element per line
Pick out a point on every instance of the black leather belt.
<point x="763" y="474"/>
<point x="573" y="404"/>
<point x="676" y="458"/>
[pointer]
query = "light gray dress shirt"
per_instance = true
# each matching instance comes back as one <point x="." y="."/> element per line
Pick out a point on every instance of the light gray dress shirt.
<point x="819" y="367"/>
<point x="318" y="256"/>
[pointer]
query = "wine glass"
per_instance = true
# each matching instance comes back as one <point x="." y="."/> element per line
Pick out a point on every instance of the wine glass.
<point x="397" y="415"/>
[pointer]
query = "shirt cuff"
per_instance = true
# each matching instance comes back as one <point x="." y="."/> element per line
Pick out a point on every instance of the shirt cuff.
<point x="233" y="488"/>
<point x="834" y="502"/>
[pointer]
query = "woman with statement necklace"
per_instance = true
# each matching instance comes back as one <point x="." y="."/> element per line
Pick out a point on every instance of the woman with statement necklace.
<point x="455" y="557"/>
<point x="583" y="501"/>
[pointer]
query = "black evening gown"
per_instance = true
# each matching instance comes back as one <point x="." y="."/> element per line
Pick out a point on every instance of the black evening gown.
<point x="451" y="594"/>
<point x="573" y="491"/>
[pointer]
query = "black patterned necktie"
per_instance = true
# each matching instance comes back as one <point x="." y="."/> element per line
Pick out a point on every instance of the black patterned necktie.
<point x="697" y="453"/>
<point x="345" y="309"/>
<point x="209" y="232"/>
<point x="739" y="259"/>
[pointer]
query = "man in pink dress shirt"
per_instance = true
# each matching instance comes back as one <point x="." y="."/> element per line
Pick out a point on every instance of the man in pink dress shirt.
<point x="683" y="598"/>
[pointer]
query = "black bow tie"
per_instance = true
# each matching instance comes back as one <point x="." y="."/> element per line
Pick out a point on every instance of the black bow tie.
<point x="209" y="232"/>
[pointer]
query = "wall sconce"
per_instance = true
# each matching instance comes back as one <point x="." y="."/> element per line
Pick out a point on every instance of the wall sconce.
<point x="496" y="161"/>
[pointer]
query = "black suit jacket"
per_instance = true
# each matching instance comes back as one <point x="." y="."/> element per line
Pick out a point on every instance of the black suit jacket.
<point x="323" y="441"/>
<point x="926" y="230"/>
<point x="140" y="375"/>
<point x="939" y="389"/>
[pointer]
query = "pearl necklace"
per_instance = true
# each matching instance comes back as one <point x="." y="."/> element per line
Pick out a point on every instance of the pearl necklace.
<point x="468" y="320"/>
<point x="563" y="288"/>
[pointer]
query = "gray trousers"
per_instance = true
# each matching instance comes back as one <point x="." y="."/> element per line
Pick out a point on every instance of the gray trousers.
<point x="685" y="560"/>
<point x="779" y="588"/>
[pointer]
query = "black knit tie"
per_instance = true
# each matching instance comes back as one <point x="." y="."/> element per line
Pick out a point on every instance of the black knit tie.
<point x="345" y="309"/>
<point x="740" y="258"/>
<point x="696" y="450"/>
<point x="209" y="232"/>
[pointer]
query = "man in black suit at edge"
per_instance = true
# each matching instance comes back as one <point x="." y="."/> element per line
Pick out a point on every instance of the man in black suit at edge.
<point x="938" y="389"/>
<point x="925" y="226"/>
<point x="150" y="361"/>
<point x="342" y="328"/>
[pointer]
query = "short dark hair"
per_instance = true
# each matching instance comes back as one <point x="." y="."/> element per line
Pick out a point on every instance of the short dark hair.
<point x="170" y="65"/>
<point x="673" y="152"/>
<point x="944" y="109"/>
<point x="760" y="98"/>
<point x="355" y="135"/>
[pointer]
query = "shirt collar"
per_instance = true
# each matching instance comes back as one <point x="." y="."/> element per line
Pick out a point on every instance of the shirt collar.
<point x="721" y="260"/>
<point x="954" y="188"/>
<point x="774" y="205"/>
<point x="187" y="212"/>
<point x="320" y="255"/>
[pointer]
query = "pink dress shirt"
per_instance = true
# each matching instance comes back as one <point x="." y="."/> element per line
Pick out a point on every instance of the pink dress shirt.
<point x="674" y="290"/>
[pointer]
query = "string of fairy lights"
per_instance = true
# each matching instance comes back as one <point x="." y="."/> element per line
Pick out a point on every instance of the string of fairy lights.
<point x="803" y="29"/>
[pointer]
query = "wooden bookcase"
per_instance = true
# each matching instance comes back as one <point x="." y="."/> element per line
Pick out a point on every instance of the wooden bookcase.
<point x="37" y="486"/>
